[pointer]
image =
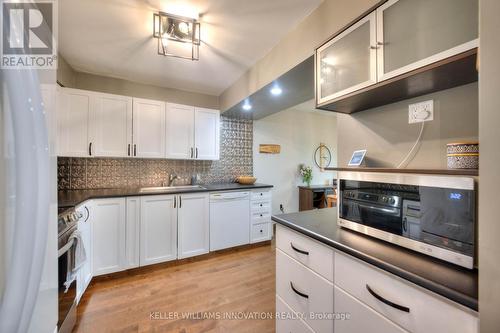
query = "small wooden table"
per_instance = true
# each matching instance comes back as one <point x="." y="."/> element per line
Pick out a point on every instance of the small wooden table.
<point x="314" y="196"/>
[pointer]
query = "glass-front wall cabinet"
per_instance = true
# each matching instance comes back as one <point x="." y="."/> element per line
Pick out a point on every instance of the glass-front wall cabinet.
<point x="415" y="33"/>
<point x="348" y="62"/>
<point x="398" y="37"/>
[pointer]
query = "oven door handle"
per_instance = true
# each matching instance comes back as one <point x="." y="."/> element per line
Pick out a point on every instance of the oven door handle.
<point x="65" y="248"/>
<point x="392" y="211"/>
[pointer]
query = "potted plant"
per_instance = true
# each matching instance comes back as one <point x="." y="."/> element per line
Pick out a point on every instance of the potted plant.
<point x="306" y="173"/>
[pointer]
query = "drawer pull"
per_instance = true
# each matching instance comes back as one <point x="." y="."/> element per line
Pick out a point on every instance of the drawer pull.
<point x="299" y="250"/>
<point x="298" y="292"/>
<point x="385" y="301"/>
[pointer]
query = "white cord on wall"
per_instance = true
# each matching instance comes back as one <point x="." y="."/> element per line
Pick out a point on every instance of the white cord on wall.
<point x="411" y="153"/>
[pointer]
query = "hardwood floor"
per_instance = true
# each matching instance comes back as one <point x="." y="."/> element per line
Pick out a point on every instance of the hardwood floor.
<point x="237" y="282"/>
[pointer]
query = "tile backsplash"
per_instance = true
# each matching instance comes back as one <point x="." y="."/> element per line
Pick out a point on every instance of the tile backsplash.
<point x="236" y="159"/>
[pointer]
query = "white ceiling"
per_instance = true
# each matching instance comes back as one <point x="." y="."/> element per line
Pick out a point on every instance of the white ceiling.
<point x="114" y="38"/>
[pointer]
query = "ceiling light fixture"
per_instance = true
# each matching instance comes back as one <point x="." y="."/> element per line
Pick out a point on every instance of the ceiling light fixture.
<point x="185" y="30"/>
<point x="247" y="106"/>
<point x="276" y="90"/>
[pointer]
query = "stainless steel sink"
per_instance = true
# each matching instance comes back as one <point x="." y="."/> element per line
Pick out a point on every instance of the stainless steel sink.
<point x="171" y="188"/>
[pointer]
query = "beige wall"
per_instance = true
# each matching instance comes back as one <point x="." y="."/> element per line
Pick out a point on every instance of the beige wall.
<point x="299" y="133"/>
<point x="128" y="88"/>
<point x="388" y="137"/>
<point x="489" y="167"/>
<point x="70" y="78"/>
<point x="298" y="45"/>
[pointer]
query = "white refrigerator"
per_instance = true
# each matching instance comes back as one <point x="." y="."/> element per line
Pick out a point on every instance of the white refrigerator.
<point x="28" y="202"/>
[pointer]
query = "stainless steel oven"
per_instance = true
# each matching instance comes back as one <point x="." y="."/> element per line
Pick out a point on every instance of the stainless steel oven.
<point x="67" y="224"/>
<point x="434" y="215"/>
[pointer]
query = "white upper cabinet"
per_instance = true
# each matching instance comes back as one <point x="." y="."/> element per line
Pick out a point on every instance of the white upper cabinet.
<point x="180" y="131"/>
<point x="415" y="33"/>
<point x="193" y="225"/>
<point x="73" y="118"/>
<point x="349" y="61"/>
<point x="148" y="128"/>
<point x="192" y="133"/>
<point x="111" y="126"/>
<point x="206" y="134"/>
<point x="92" y="124"/>
<point x="158" y="235"/>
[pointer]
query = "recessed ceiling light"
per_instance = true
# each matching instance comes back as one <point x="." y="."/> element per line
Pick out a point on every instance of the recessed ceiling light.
<point x="247" y="106"/>
<point x="276" y="90"/>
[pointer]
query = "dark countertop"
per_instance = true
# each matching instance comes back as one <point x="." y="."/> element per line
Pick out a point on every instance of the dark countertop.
<point x="453" y="282"/>
<point x="316" y="187"/>
<point x="71" y="198"/>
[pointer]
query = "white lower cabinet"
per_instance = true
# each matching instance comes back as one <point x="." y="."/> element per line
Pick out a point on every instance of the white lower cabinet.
<point x="260" y="216"/>
<point x="133" y="232"/>
<point x="287" y="321"/>
<point x="305" y="291"/>
<point x="193" y="225"/>
<point x="359" y="317"/>
<point x="158" y="229"/>
<point x="84" y="275"/>
<point x="260" y="232"/>
<point x="362" y="297"/>
<point x="108" y="235"/>
<point x="425" y="310"/>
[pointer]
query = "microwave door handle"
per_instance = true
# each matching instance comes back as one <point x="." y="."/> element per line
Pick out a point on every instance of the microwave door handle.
<point x="32" y="189"/>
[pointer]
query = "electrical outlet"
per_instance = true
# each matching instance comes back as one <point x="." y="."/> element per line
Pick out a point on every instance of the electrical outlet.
<point x="420" y="112"/>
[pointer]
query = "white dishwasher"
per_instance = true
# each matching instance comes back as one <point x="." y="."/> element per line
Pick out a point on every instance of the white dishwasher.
<point x="229" y="219"/>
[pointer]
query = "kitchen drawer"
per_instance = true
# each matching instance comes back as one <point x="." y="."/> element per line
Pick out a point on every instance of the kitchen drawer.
<point x="305" y="292"/>
<point x="260" y="195"/>
<point x="260" y="206"/>
<point x="260" y="217"/>
<point x="260" y="232"/>
<point x="426" y="309"/>
<point x="287" y="321"/>
<point x="307" y="251"/>
<point x="360" y="318"/>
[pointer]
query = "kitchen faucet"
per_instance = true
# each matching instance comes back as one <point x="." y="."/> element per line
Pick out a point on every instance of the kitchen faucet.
<point x="171" y="178"/>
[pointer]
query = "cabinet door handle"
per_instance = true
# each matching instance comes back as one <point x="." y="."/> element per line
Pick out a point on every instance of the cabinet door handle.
<point x="175" y="202"/>
<point x="192" y="152"/>
<point x="90" y="148"/>
<point x="196" y="152"/>
<point x="386" y="301"/>
<point x="298" y="250"/>
<point x="180" y="201"/>
<point x="135" y="149"/>
<point x="374" y="47"/>
<point x="88" y="214"/>
<point x="298" y="292"/>
<point x="128" y="150"/>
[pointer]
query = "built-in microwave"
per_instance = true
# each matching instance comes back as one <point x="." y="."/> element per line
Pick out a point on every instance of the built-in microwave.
<point x="434" y="215"/>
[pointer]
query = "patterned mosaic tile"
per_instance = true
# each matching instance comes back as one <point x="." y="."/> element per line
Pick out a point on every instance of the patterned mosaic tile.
<point x="236" y="159"/>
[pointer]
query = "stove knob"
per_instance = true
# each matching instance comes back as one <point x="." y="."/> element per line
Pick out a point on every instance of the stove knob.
<point x="392" y="201"/>
<point x="384" y="199"/>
